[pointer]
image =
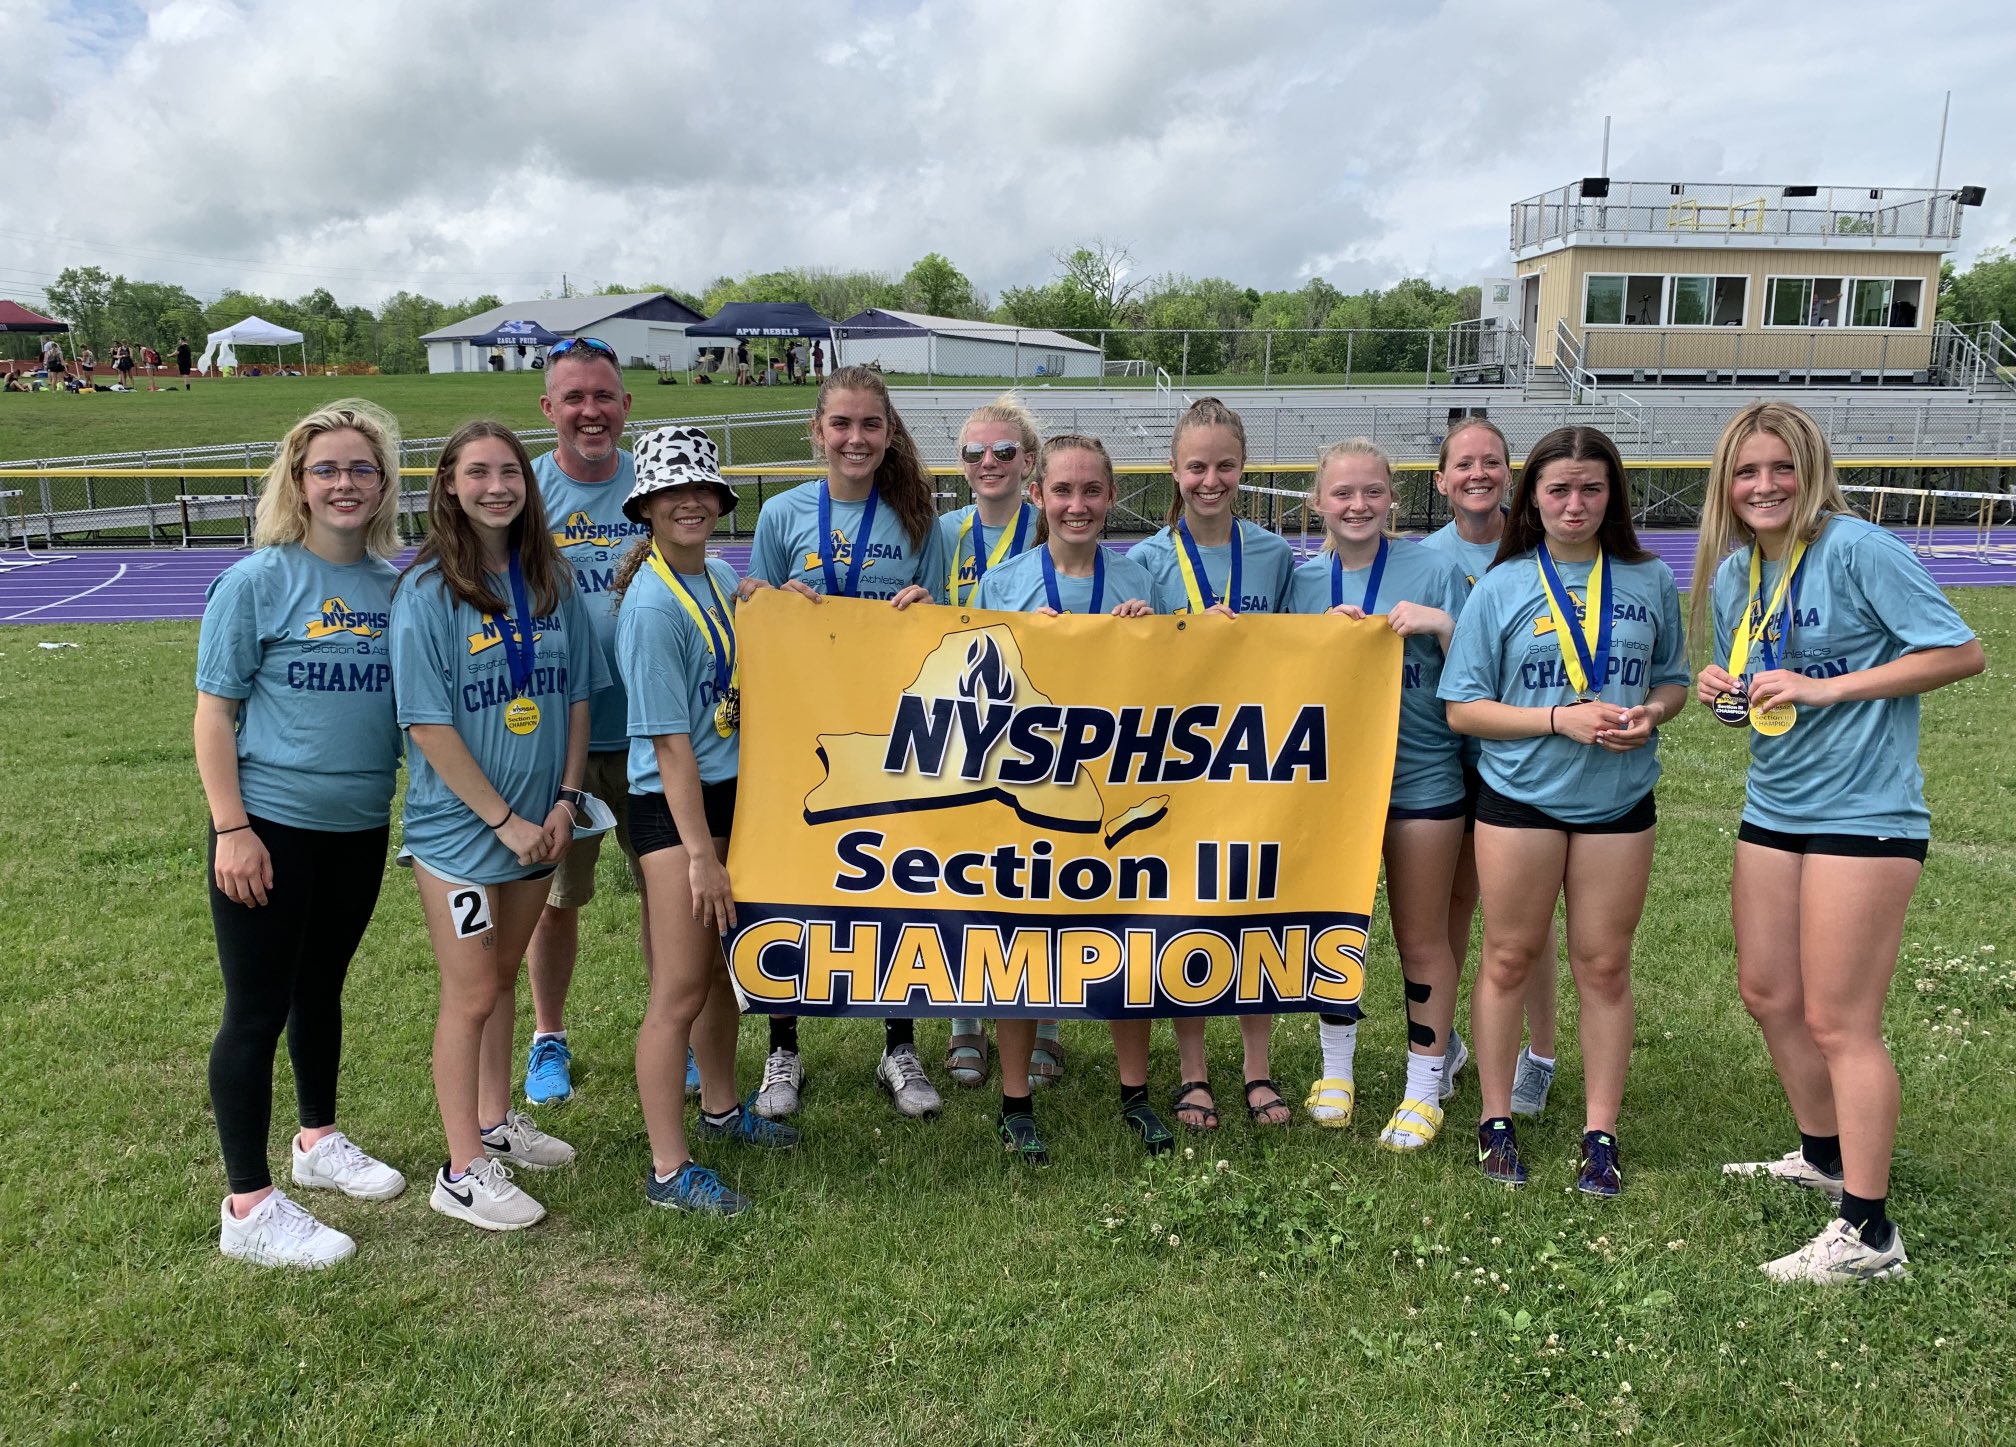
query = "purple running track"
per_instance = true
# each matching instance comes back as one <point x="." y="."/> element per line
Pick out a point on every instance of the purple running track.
<point x="151" y="585"/>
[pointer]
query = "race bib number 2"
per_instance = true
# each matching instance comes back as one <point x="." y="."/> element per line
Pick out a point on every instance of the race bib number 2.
<point x="469" y="907"/>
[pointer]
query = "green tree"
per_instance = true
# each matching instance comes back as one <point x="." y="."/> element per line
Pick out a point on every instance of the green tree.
<point x="81" y="296"/>
<point x="936" y="287"/>
<point x="1984" y="292"/>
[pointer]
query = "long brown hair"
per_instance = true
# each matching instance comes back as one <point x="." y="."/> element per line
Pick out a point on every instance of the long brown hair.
<point x="1819" y="496"/>
<point x="1523" y="532"/>
<point x="901" y="478"/>
<point x="451" y="546"/>
<point x="1204" y="412"/>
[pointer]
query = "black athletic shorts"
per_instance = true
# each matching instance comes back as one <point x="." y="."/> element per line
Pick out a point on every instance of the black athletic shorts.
<point x="1851" y="846"/>
<point x="1472" y="782"/>
<point x="1494" y="808"/>
<point x="1454" y="809"/>
<point x="652" y="827"/>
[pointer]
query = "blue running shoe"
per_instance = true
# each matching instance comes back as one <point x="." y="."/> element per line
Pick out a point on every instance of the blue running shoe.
<point x="548" y="1080"/>
<point x="749" y="1129"/>
<point x="1498" y="1153"/>
<point x="692" y="1074"/>
<point x="696" y="1190"/>
<point x="1600" y="1175"/>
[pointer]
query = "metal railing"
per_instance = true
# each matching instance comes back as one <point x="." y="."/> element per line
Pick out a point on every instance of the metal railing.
<point x="1487" y="348"/>
<point x="1834" y="216"/>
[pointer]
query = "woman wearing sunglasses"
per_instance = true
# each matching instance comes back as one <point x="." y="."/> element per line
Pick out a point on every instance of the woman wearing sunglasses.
<point x="297" y="747"/>
<point x="998" y="448"/>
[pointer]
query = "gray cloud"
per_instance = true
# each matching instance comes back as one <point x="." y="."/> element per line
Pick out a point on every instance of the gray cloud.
<point x="461" y="147"/>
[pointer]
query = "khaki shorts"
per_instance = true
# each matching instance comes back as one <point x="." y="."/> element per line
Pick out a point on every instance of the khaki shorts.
<point x="608" y="779"/>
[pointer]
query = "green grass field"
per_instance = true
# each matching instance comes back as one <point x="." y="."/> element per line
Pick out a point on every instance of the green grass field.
<point x="260" y="409"/>
<point x="904" y="1282"/>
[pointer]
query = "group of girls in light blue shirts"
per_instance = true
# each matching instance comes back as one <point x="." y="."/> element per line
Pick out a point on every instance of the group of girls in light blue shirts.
<point x="1560" y="657"/>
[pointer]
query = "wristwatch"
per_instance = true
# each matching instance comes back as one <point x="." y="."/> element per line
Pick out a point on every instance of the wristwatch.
<point x="577" y="799"/>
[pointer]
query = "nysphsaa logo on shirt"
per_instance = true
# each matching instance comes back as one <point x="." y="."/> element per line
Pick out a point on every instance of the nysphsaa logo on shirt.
<point x="843" y="553"/>
<point x="581" y="530"/>
<point x="1620" y="612"/>
<point x="492" y="633"/>
<point x="336" y="617"/>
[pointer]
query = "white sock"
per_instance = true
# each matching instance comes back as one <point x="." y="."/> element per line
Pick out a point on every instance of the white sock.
<point x="538" y="1035"/>
<point x="1340" y="1048"/>
<point x="1545" y="1061"/>
<point x="1424" y="1077"/>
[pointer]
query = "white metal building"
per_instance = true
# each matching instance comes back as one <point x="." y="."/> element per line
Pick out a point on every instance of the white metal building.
<point x="952" y="347"/>
<point x="647" y="329"/>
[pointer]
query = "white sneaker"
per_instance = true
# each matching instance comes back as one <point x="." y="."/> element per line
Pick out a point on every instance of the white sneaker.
<point x="336" y="1164"/>
<point x="1792" y="1167"/>
<point x="485" y="1197"/>
<point x="1837" y="1257"/>
<point x="522" y="1143"/>
<point x="278" y="1232"/>
<point x="1530" y="1083"/>
<point x="783" y="1079"/>
<point x="901" y="1074"/>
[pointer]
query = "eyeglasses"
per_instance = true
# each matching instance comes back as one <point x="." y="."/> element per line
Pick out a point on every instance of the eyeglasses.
<point x="593" y="344"/>
<point x="1004" y="451"/>
<point x="365" y="473"/>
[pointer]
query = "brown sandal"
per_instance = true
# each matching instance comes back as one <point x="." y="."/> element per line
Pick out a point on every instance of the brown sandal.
<point x="966" y="1060"/>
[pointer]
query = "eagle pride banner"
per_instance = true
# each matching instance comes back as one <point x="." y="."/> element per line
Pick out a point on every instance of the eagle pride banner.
<point x="945" y="811"/>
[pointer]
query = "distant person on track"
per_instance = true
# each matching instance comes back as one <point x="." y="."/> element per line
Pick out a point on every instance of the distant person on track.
<point x="298" y="748"/>
<point x="819" y="363"/>
<point x="87" y="363"/>
<point x="742" y="378"/>
<point x="493" y="659"/>
<point x="52" y="362"/>
<point x="583" y="484"/>
<point x="1568" y="657"/>
<point x="185" y="360"/>
<point x="122" y="363"/>
<point x="1826" y="631"/>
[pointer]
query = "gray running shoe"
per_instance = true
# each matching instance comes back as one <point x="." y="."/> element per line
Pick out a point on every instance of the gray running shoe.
<point x="901" y="1074"/>
<point x="1530" y="1084"/>
<point x="1455" y="1056"/>
<point x="783" y="1080"/>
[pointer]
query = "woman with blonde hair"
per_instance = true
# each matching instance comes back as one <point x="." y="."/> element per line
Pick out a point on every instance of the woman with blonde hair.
<point x="297" y="747"/>
<point x="1210" y="560"/>
<point x="998" y="449"/>
<point x="1826" y="630"/>
<point x="1362" y="572"/>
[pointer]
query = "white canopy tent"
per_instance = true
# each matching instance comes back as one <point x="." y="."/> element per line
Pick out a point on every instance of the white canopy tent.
<point x="252" y="332"/>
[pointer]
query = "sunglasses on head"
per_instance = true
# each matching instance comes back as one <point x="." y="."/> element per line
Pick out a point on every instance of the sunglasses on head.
<point x="593" y="344"/>
<point x="1004" y="451"/>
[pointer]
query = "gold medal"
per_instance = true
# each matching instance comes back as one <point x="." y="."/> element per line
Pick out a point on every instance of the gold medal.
<point x="1775" y="720"/>
<point x="728" y="713"/>
<point x="521" y="716"/>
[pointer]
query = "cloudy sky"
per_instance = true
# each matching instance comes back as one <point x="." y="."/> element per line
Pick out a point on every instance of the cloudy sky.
<point x="454" y="147"/>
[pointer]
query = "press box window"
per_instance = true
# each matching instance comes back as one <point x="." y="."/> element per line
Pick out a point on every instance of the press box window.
<point x="1634" y="301"/>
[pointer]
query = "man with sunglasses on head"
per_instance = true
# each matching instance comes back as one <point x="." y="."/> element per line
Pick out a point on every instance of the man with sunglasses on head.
<point x="583" y="483"/>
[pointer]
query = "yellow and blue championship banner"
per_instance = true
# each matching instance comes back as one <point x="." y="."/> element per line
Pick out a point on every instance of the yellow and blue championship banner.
<point x="946" y="811"/>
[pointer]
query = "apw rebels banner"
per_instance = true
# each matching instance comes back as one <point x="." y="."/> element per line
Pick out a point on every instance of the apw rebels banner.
<point x="945" y="811"/>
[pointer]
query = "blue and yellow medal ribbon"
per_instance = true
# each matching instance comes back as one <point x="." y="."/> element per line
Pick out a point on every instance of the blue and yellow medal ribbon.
<point x="1755" y="624"/>
<point x="720" y="636"/>
<point x="1586" y="669"/>
<point x="521" y="653"/>
<point x="1009" y="545"/>
<point x="1197" y="579"/>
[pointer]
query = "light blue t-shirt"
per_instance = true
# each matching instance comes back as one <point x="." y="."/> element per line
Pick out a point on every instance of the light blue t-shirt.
<point x="1428" y="764"/>
<point x="1265" y="568"/>
<point x="787" y="547"/>
<point x="1505" y="649"/>
<point x="969" y="554"/>
<point x="302" y="643"/>
<point x="592" y="534"/>
<point x="1473" y="558"/>
<point x="1863" y="600"/>
<point x="1017" y="586"/>
<point x="669" y="672"/>
<point x="450" y="666"/>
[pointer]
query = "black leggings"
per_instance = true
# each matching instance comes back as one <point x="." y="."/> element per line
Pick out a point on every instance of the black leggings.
<point x="284" y="964"/>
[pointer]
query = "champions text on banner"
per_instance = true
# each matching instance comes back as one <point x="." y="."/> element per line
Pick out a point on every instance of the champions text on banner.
<point x="945" y="811"/>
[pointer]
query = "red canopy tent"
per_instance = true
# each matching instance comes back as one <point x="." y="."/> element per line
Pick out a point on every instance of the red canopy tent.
<point x="17" y="318"/>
